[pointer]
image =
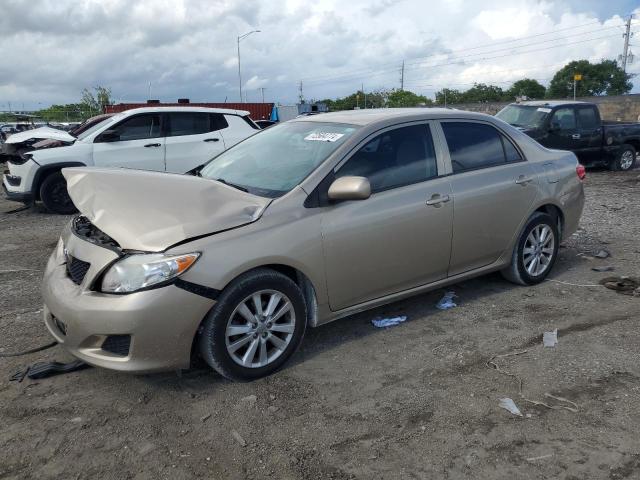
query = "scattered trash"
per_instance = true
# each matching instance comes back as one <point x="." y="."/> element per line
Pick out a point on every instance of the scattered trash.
<point x="146" y="448"/>
<point x="238" y="438"/>
<point x="272" y="409"/>
<point x="48" y="369"/>
<point x="510" y="405"/>
<point x="446" y="302"/>
<point x="550" y="339"/>
<point x="388" y="322"/>
<point x="541" y="457"/>
<point x="26" y="352"/>
<point x="624" y="285"/>
<point x="205" y="417"/>
<point x="607" y="268"/>
<point x="602" y="254"/>
<point x="250" y="399"/>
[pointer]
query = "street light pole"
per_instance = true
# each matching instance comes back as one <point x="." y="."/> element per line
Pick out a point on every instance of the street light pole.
<point x="240" y="37"/>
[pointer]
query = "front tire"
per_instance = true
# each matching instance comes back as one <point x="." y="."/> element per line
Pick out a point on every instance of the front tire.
<point x="625" y="159"/>
<point x="257" y="324"/>
<point x="536" y="251"/>
<point x="54" y="195"/>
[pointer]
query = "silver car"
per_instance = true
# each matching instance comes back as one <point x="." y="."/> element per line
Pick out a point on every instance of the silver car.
<point x="304" y="223"/>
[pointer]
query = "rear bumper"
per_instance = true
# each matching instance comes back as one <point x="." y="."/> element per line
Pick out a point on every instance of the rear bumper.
<point x="161" y="324"/>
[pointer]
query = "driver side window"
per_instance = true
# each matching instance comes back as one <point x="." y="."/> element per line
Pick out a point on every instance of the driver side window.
<point x="394" y="159"/>
<point x="138" y="128"/>
<point x="564" y="119"/>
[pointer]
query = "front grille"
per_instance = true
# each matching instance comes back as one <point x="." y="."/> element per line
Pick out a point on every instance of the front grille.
<point x="117" y="344"/>
<point x="76" y="269"/>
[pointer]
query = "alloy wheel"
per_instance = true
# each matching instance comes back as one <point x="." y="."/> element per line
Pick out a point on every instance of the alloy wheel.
<point x="538" y="250"/>
<point x="626" y="160"/>
<point x="260" y="329"/>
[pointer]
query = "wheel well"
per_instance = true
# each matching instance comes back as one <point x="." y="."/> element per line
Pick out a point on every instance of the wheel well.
<point x="634" y="143"/>
<point x="45" y="171"/>
<point x="556" y="213"/>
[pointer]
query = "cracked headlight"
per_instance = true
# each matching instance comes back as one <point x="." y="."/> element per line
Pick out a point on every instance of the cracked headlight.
<point x="140" y="271"/>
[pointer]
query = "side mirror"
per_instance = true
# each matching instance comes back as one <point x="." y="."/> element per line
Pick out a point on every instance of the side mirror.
<point x="350" y="188"/>
<point x="108" y="136"/>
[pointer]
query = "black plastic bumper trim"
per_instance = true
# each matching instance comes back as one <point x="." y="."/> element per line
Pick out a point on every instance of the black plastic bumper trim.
<point x="201" y="290"/>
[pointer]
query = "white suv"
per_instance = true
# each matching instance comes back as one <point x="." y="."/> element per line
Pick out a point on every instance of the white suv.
<point x="164" y="139"/>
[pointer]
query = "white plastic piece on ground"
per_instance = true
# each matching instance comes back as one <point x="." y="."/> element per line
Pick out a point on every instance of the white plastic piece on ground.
<point x="446" y="302"/>
<point x="388" y="322"/>
<point x="550" y="339"/>
<point x="509" y="404"/>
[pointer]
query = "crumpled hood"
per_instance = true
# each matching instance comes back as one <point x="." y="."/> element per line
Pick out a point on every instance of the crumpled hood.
<point x="41" y="133"/>
<point x="151" y="211"/>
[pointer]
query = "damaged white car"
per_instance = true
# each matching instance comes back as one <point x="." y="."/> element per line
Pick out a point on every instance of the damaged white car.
<point x="164" y="139"/>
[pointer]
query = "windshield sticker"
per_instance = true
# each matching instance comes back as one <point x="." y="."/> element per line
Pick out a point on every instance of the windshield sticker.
<point x="545" y="110"/>
<point x="323" y="137"/>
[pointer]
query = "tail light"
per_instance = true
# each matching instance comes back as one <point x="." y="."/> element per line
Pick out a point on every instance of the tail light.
<point x="581" y="171"/>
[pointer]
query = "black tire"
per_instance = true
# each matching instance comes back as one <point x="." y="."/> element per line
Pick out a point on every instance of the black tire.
<point x="517" y="272"/>
<point x="212" y="341"/>
<point x="54" y="195"/>
<point x="621" y="162"/>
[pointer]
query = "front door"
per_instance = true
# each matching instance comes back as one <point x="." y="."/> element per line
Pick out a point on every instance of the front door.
<point x="393" y="240"/>
<point x="564" y="133"/>
<point x="136" y="142"/>
<point x="493" y="189"/>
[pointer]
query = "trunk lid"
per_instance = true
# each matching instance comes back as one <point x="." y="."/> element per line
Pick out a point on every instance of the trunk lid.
<point x="150" y="211"/>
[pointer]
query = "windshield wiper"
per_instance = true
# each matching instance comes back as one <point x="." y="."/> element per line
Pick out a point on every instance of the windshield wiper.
<point x="242" y="189"/>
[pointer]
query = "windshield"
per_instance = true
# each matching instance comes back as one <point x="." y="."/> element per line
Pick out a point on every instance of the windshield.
<point x="523" y="115"/>
<point x="92" y="129"/>
<point x="274" y="161"/>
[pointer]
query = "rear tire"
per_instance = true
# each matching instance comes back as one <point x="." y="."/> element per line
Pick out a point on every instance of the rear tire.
<point x="625" y="159"/>
<point x="242" y="341"/>
<point x="535" y="252"/>
<point x="54" y="195"/>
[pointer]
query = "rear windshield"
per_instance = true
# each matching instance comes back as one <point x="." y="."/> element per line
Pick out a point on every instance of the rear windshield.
<point x="275" y="160"/>
<point x="523" y="115"/>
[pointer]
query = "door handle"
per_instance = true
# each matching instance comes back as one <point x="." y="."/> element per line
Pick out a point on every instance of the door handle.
<point x="522" y="180"/>
<point x="576" y="136"/>
<point x="436" y="200"/>
<point x="152" y="145"/>
<point x="211" y="140"/>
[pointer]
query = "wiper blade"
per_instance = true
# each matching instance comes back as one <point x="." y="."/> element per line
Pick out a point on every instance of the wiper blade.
<point x="242" y="189"/>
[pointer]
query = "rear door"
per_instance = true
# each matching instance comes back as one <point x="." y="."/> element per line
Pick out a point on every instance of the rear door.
<point x="135" y="142"/>
<point x="493" y="189"/>
<point x="193" y="138"/>
<point x="590" y="131"/>
<point x="237" y="129"/>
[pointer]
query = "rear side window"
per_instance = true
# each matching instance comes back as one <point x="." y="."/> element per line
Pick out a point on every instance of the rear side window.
<point x="139" y="127"/>
<point x="395" y="158"/>
<point x="587" y="118"/>
<point x="475" y="145"/>
<point x="194" y="123"/>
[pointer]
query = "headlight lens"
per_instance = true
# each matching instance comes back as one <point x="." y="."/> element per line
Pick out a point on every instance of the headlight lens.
<point x="24" y="158"/>
<point x="139" y="271"/>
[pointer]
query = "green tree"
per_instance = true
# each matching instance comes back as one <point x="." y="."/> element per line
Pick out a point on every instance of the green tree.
<point x="481" y="92"/>
<point x="604" y="78"/>
<point x="449" y="96"/>
<point x="527" y="87"/>
<point x="405" y="98"/>
<point x="95" y="101"/>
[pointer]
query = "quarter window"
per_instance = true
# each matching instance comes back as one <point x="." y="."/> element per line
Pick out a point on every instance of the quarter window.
<point x="476" y="145"/>
<point x="138" y="128"/>
<point x="395" y="158"/>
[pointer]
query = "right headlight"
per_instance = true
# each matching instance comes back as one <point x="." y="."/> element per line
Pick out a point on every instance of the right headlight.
<point x="140" y="271"/>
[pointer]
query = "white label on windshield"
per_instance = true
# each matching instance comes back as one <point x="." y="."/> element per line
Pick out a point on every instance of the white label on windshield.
<point x="324" y="137"/>
<point x="545" y="110"/>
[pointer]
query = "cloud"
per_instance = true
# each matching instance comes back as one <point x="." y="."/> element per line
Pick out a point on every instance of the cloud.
<point x="187" y="48"/>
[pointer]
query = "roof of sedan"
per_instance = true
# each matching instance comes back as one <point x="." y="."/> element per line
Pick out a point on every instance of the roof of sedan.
<point x="374" y="115"/>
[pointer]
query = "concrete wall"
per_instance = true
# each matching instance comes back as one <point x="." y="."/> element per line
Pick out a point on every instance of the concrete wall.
<point x="623" y="108"/>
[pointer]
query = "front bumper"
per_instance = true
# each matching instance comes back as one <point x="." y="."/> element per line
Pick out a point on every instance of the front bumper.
<point x="24" y="197"/>
<point x="161" y="324"/>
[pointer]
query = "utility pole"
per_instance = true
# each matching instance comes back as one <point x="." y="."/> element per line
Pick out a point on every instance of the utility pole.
<point x="262" y="90"/>
<point x="365" y="96"/>
<point x="238" y="38"/>
<point x="626" y="35"/>
<point x="300" y="94"/>
<point x="402" y="76"/>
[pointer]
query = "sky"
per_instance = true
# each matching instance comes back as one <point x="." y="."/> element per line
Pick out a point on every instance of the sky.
<point x="52" y="49"/>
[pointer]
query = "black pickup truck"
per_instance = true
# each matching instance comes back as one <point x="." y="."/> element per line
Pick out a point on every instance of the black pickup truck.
<point x="577" y="126"/>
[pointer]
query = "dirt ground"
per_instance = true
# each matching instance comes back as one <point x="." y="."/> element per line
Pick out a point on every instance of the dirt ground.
<point x="413" y="401"/>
